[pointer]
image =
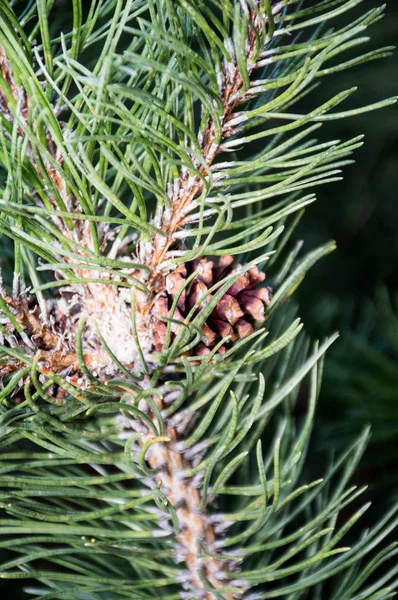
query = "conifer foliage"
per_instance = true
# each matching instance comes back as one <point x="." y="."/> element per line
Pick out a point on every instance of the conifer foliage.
<point x="156" y="161"/>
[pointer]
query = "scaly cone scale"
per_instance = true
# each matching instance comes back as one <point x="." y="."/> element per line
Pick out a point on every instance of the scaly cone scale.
<point x="242" y="306"/>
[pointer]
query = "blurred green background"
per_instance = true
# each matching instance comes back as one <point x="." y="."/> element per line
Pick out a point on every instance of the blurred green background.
<point x="354" y="290"/>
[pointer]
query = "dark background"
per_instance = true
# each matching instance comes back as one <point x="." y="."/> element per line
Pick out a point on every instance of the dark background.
<point x="355" y="289"/>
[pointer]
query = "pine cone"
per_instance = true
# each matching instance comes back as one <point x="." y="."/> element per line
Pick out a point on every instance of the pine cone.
<point x="236" y="313"/>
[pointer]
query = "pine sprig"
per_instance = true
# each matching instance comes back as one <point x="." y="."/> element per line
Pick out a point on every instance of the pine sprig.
<point x="141" y="449"/>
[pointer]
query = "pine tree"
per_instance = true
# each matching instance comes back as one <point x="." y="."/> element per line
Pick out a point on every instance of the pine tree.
<point x="154" y="170"/>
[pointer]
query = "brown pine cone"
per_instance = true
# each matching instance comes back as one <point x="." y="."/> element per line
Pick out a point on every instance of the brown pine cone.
<point x="236" y="313"/>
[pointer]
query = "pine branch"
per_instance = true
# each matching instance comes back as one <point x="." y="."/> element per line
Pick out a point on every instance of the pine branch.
<point x="144" y="365"/>
<point x="186" y="190"/>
